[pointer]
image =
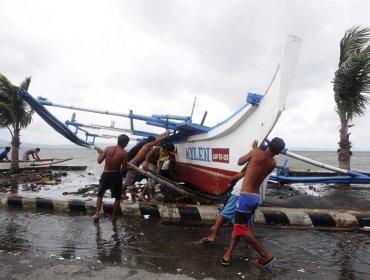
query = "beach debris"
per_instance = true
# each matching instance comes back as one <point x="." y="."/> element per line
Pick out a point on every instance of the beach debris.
<point x="29" y="180"/>
<point x="88" y="190"/>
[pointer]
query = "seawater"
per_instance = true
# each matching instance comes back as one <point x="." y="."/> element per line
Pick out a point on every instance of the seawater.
<point x="360" y="161"/>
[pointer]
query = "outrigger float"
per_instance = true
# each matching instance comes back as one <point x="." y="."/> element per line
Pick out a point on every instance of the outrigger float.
<point x="34" y="164"/>
<point x="207" y="156"/>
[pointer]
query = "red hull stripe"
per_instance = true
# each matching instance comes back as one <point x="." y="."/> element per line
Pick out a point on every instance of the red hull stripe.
<point x="207" y="179"/>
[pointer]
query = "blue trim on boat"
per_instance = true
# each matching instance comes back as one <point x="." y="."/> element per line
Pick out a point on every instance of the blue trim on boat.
<point x="324" y="180"/>
<point x="230" y="117"/>
<point x="51" y="120"/>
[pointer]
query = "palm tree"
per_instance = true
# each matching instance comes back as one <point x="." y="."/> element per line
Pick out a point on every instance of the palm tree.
<point x="351" y="85"/>
<point x="15" y="114"/>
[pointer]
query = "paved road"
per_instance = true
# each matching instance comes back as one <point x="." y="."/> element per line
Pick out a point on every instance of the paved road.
<point x="45" y="245"/>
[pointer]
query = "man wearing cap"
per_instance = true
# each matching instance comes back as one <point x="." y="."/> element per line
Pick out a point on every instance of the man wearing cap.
<point x="260" y="164"/>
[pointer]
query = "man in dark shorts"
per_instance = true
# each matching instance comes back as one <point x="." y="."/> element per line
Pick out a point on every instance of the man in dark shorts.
<point x="153" y="162"/>
<point x="260" y="164"/>
<point x="133" y="152"/>
<point x="137" y="161"/>
<point x="115" y="160"/>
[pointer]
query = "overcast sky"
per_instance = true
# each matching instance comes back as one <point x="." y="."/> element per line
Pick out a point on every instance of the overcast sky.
<point x="155" y="57"/>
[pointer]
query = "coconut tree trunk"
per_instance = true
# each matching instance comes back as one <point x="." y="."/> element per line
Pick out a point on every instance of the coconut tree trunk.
<point x="14" y="166"/>
<point x="344" y="151"/>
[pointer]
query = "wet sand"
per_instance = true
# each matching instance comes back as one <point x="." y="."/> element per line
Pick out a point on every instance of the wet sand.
<point x="42" y="245"/>
<point x="354" y="197"/>
<point x="83" y="185"/>
<point x="39" y="244"/>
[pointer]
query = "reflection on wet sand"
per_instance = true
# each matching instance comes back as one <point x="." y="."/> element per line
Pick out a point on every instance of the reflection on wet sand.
<point x="148" y="245"/>
<point x="108" y="246"/>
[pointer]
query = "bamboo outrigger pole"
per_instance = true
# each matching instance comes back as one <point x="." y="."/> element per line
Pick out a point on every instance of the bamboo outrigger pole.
<point x="165" y="183"/>
<point x="319" y="164"/>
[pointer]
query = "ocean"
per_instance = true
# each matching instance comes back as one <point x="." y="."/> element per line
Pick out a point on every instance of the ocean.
<point x="360" y="161"/>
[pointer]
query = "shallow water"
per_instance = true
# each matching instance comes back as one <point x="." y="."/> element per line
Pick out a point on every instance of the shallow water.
<point x="360" y="161"/>
<point x="175" y="249"/>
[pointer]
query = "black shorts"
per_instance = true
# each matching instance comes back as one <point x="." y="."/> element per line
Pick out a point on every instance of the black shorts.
<point x="111" y="181"/>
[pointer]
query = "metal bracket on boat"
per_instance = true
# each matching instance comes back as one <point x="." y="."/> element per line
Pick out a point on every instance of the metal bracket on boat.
<point x="282" y="169"/>
<point x="254" y="98"/>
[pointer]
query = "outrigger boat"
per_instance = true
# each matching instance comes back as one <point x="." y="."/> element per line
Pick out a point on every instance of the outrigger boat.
<point x="32" y="164"/>
<point x="206" y="156"/>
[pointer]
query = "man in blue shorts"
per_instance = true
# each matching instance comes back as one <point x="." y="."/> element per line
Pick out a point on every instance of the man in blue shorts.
<point x="260" y="164"/>
<point x="228" y="211"/>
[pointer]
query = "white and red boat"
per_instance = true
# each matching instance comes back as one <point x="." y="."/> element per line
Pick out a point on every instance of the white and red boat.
<point x="206" y="156"/>
<point x="206" y="160"/>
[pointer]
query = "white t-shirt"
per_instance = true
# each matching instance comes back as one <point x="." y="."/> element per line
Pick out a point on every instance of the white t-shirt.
<point x="238" y="186"/>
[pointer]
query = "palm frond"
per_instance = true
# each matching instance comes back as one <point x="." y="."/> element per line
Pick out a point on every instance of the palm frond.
<point x="352" y="42"/>
<point x="26" y="83"/>
<point x="7" y="116"/>
<point x="352" y="78"/>
<point x="14" y="111"/>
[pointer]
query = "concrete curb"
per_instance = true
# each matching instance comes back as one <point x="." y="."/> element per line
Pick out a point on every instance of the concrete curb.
<point x="311" y="218"/>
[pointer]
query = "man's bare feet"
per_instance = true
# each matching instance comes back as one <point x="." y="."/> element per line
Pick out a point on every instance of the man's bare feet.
<point x="207" y="240"/>
<point x="225" y="261"/>
<point x="263" y="262"/>
<point x="114" y="219"/>
<point x="124" y="197"/>
<point x="95" y="218"/>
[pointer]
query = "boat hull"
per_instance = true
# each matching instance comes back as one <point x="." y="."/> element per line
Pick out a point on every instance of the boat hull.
<point x="207" y="160"/>
<point x="206" y="179"/>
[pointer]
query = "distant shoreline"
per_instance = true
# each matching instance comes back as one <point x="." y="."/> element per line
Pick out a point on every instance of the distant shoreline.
<point x="4" y="143"/>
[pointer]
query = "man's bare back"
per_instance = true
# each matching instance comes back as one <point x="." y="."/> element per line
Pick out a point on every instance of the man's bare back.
<point x="114" y="157"/>
<point x="140" y="156"/>
<point x="261" y="164"/>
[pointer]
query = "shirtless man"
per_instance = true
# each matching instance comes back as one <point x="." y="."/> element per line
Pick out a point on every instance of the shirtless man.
<point x="115" y="159"/>
<point x="33" y="153"/>
<point x="154" y="161"/>
<point x="261" y="163"/>
<point x="137" y="161"/>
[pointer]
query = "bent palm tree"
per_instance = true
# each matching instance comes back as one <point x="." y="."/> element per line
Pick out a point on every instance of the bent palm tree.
<point x="15" y="114"/>
<point x="351" y="84"/>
